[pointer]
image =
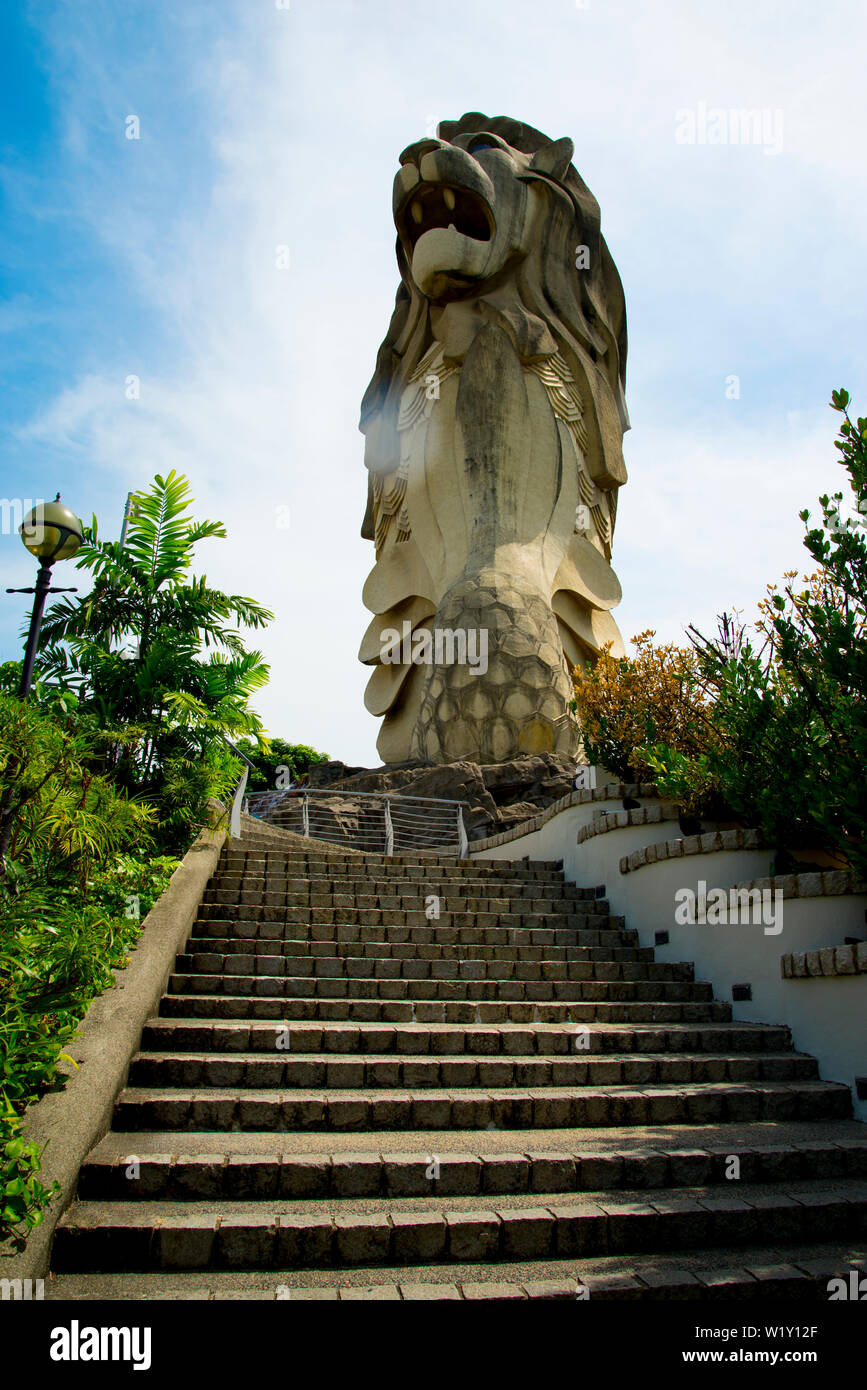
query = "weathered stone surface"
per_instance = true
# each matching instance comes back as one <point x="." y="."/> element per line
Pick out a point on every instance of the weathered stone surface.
<point x="516" y="815"/>
<point x="494" y="449"/>
<point x="541" y="779"/>
<point x="323" y="774"/>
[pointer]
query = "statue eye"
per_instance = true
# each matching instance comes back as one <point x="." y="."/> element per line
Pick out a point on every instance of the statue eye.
<point x="483" y="143"/>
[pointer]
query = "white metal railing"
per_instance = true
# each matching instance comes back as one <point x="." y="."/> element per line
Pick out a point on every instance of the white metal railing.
<point x="379" y="822"/>
<point x="238" y="798"/>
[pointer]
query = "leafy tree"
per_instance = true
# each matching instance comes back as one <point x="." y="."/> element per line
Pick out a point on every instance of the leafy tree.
<point x="789" y="712"/>
<point x="754" y="762"/>
<point x="54" y="802"/>
<point x="819" y="640"/>
<point x="627" y="703"/>
<point x="298" y="758"/>
<point x="134" y="652"/>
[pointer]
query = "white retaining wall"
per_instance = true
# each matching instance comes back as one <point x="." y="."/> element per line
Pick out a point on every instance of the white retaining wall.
<point x="827" y="1016"/>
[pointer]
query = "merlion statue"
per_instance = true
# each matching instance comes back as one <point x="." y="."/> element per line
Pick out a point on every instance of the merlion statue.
<point x="494" y="426"/>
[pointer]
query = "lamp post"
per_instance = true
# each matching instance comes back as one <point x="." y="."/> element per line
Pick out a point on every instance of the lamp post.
<point x="50" y="532"/>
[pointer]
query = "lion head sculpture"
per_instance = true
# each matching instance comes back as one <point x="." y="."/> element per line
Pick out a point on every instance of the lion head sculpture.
<point x="494" y="425"/>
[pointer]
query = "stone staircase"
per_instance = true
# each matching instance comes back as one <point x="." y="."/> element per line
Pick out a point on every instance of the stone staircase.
<point x="347" y="1095"/>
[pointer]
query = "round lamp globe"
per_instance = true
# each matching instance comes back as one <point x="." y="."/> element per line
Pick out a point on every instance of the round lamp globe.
<point x="50" y="531"/>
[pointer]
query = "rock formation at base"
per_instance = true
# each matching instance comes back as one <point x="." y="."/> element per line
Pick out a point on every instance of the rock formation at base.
<point x="497" y="795"/>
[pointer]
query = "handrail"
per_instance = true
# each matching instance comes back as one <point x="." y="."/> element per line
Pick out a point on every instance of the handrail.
<point x="347" y="791"/>
<point x="238" y="754"/>
<point x="384" y="822"/>
<point x="238" y="799"/>
<point x="463" y="847"/>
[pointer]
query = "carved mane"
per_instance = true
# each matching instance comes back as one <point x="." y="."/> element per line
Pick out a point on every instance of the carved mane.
<point x="578" y="312"/>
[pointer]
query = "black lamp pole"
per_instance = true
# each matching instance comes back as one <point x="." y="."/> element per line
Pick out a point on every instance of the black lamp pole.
<point x="50" y="532"/>
<point x="42" y="590"/>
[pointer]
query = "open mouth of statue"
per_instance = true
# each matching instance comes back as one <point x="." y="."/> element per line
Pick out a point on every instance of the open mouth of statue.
<point x="439" y="205"/>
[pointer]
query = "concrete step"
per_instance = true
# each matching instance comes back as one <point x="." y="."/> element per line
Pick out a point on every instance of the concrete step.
<point x="251" y="927"/>
<point x="180" y="1002"/>
<point x="387" y="917"/>
<point x="228" y="937"/>
<point x="309" y="1071"/>
<point x="458" y="911"/>
<point x="400" y="884"/>
<point x="213" y="956"/>
<point x="190" y="1035"/>
<point x="360" y="1109"/>
<point x="718" y="1275"/>
<point x="266" y="979"/>
<point x="745" y="1274"/>
<point x="504" y="890"/>
<point x="277" y="1234"/>
<point x="268" y="1171"/>
<point x="396" y="979"/>
<point x="379" y="866"/>
<point x="534" y="898"/>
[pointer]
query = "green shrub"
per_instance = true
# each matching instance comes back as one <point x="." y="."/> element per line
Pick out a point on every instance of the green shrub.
<point x="626" y="703"/>
<point x="23" y="1198"/>
<point x="298" y="758"/>
<point x="758" y="766"/>
<point x="71" y="894"/>
<point x="57" y="953"/>
<point x="789" y="708"/>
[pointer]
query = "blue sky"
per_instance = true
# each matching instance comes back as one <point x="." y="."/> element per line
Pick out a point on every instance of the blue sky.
<point x="263" y="127"/>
